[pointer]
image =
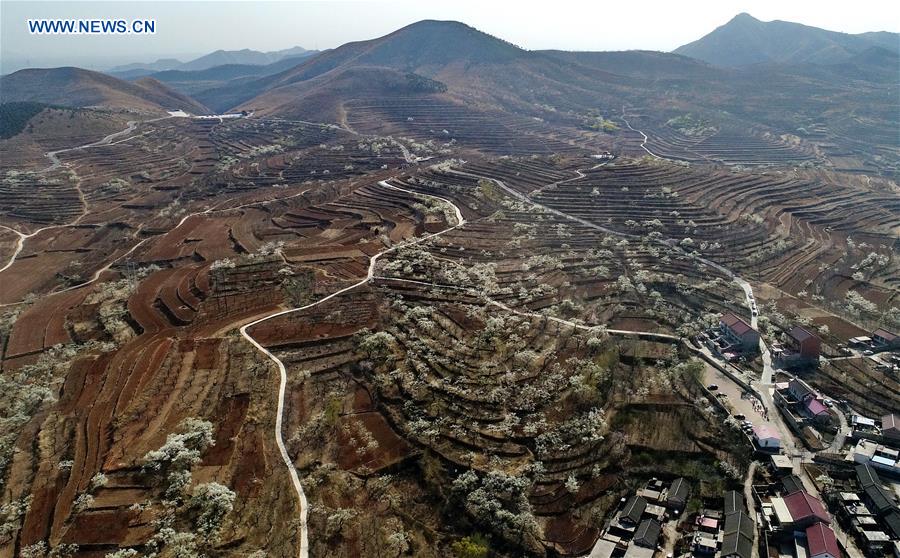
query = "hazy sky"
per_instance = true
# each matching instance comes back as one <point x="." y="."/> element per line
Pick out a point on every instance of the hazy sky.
<point x="189" y="29"/>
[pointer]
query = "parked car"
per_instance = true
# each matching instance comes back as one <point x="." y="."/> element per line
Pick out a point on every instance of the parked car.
<point x="712" y="387"/>
<point x="740" y="416"/>
<point x="868" y="352"/>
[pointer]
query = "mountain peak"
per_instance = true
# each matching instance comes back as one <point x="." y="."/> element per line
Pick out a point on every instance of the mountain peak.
<point x="436" y="42"/>
<point x="746" y="40"/>
<point x="744" y="16"/>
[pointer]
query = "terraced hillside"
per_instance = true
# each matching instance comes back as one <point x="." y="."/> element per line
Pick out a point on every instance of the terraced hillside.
<point x="499" y="347"/>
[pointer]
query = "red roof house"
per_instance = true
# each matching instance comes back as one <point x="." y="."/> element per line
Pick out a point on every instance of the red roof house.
<point x="816" y="407"/>
<point x="805" y="509"/>
<point x="822" y="542"/>
<point x="817" y="410"/>
<point x="885" y="338"/>
<point x="805" y="343"/>
<point x="739" y="332"/>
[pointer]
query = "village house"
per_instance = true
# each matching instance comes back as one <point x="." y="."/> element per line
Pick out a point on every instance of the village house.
<point x="633" y="510"/>
<point x="678" y="494"/>
<point x="800" y="390"/>
<point x="738" y="333"/>
<point x="816" y="410"/>
<point x="890" y="426"/>
<point x="781" y="464"/>
<point x="734" y="502"/>
<point x="766" y="438"/>
<point x="873" y="515"/>
<point x="737" y="541"/>
<point x="791" y="484"/>
<point x="882" y="458"/>
<point x="804" y="510"/>
<point x="821" y="542"/>
<point x="800" y="348"/>
<point x="884" y="339"/>
<point x="647" y="533"/>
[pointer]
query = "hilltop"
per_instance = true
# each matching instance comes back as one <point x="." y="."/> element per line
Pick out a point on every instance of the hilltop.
<point x="75" y="87"/>
<point x="746" y="40"/>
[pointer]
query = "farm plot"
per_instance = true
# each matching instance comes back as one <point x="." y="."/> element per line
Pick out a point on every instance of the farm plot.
<point x="869" y="391"/>
<point x="449" y="123"/>
<point x="754" y="223"/>
<point x="151" y="352"/>
<point x="724" y="147"/>
<point x="59" y="258"/>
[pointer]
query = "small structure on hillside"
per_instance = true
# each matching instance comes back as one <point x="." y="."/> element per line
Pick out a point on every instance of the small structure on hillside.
<point x="766" y="438"/>
<point x="890" y="426"/>
<point x="800" y="348"/>
<point x="884" y="339"/>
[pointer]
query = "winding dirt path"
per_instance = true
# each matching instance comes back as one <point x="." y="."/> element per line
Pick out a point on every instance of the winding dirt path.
<point x="282" y="371"/>
<point x="644" y="141"/>
<point x="55" y="163"/>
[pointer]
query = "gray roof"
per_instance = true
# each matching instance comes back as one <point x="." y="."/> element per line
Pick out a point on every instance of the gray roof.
<point x="679" y="491"/>
<point x="892" y="522"/>
<point x="738" y="539"/>
<point x="736" y="544"/>
<point x="880" y="498"/>
<point x="634" y="509"/>
<point x="734" y="502"/>
<point x="867" y="476"/>
<point x="647" y="533"/>
<point x="792" y="483"/>
<point x="739" y="522"/>
<point x="800" y="388"/>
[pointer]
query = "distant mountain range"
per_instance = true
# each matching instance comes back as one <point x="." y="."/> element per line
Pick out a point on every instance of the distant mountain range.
<point x="746" y="40"/>
<point x="456" y="67"/>
<point x="197" y="83"/>
<point x="213" y="59"/>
